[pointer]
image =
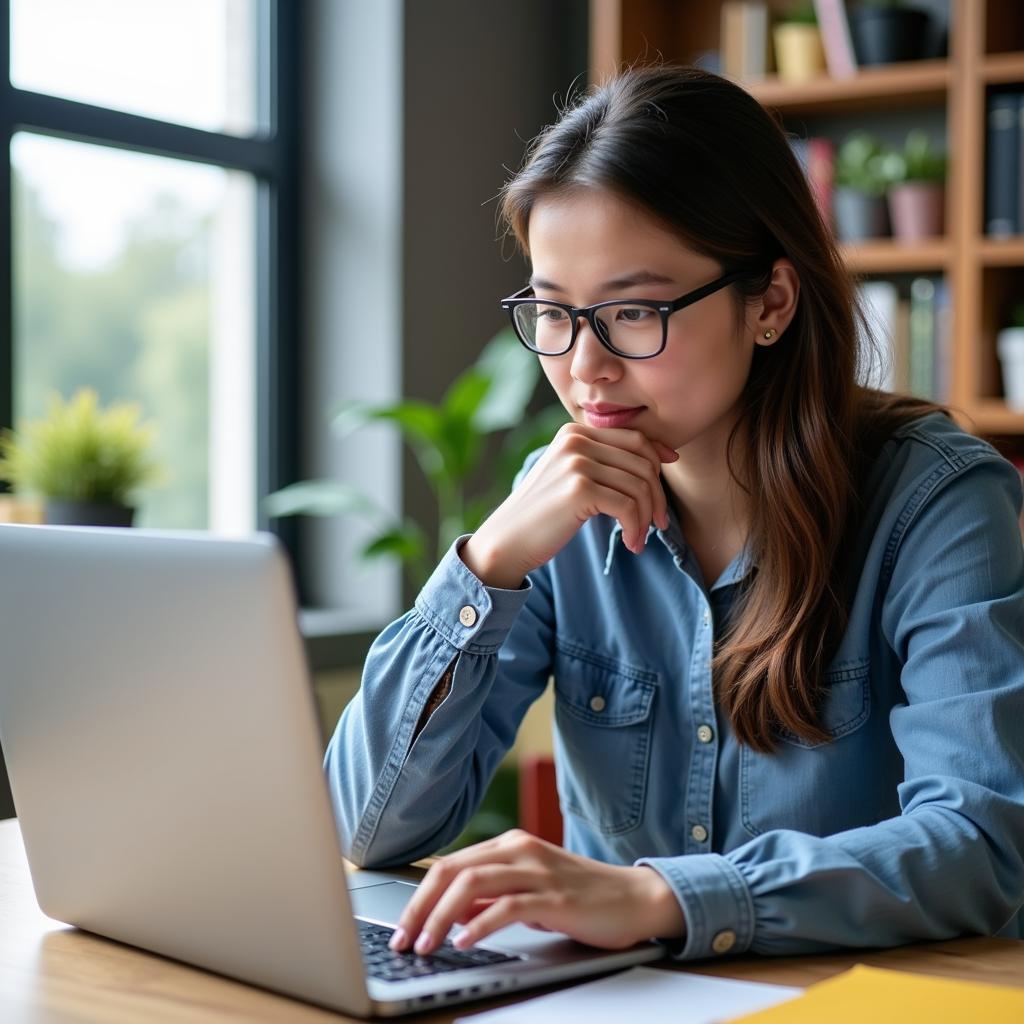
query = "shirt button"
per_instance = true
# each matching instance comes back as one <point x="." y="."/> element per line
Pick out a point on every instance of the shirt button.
<point x="597" y="703"/>
<point x="468" y="615"/>
<point x="705" y="733"/>
<point x="723" y="941"/>
<point x="699" y="832"/>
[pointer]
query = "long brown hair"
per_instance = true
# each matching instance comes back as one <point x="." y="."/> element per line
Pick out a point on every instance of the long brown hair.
<point x="706" y="158"/>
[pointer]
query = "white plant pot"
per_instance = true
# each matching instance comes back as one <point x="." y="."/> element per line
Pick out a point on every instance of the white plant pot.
<point x="1010" y="346"/>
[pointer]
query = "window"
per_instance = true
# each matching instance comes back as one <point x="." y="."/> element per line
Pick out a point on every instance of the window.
<point x="148" y="234"/>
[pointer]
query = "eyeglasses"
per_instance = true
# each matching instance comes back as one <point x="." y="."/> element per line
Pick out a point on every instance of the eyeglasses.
<point x="633" y="329"/>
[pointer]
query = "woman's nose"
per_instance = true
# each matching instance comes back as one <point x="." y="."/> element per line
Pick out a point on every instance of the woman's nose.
<point x="590" y="359"/>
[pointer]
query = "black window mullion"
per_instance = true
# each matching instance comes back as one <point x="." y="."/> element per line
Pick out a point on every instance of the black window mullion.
<point x="55" y="115"/>
<point x="6" y="221"/>
<point x="279" y="319"/>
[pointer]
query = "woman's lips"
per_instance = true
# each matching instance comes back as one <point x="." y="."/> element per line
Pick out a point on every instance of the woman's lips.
<point x="611" y="417"/>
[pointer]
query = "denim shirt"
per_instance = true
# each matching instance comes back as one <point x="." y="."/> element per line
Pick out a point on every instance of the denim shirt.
<point x="907" y="825"/>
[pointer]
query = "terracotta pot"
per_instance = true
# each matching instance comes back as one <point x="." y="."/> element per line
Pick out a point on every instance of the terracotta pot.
<point x="916" y="209"/>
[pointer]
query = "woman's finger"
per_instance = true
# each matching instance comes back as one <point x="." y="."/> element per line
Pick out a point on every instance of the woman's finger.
<point x="499" y="850"/>
<point x="491" y="880"/>
<point x="531" y="909"/>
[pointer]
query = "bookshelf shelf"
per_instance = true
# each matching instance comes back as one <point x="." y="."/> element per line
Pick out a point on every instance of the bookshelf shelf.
<point x="919" y="83"/>
<point x="982" y="275"/>
<point x="992" y="416"/>
<point x="886" y="256"/>
<point x="1001" y="252"/>
<point x="1003" y="67"/>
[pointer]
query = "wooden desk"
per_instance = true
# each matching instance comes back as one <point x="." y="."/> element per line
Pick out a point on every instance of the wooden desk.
<point x="50" y="972"/>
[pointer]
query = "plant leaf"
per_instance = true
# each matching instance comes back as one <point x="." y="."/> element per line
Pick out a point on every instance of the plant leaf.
<point x="464" y="395"/>
<point x="416" y="418"/>
<point x="532" y="433"/>
<point x="406" y="542"/>
<point x="318" y="498"/>
<point x="513" y="373"/>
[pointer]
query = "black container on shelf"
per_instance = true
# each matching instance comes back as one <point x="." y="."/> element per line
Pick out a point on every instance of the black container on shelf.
<point x="887" y="35"/>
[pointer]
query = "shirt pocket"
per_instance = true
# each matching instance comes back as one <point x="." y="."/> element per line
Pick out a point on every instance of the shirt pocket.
<point x="807" y="786"/>
<point x="603" y="727"/>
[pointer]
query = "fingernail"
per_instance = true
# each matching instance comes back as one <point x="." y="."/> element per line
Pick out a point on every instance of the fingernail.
<point x="462" y="940"/>
<point x="423" y="942"/>
<point x="398" y="939"/>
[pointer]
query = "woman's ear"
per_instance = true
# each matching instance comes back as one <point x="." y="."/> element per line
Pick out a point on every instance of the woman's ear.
<point x="778" y="303"/>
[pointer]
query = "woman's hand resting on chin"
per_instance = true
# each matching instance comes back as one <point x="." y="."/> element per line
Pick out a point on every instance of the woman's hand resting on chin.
<point x="517" y="877"/>
<point x="583" y="472"/>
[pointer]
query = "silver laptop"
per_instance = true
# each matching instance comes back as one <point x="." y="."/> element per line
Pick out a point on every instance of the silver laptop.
<point x="164" y="752"/>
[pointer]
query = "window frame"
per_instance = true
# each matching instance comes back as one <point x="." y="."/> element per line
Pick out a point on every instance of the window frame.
<point x="272" y="156"/>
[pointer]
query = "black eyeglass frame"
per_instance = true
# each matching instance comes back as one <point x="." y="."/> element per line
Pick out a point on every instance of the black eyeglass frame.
<point x="665" y="309"/>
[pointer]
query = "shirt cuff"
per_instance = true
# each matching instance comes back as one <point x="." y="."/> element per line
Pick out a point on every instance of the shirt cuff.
<point x="471" y="616"/>
<point x="715" y="901"/>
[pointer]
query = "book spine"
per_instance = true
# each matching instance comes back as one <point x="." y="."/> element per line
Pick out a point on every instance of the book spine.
<point x="1001" y="171"/>
<point x="821" y="171"/>
<point x="876" y="347"/>
<point x="755" y="38"/>
<point x="732" y="39"/>
<point x="835" y="38"/>
<point x="942" y="369"/>
<point x="922" y="336"/>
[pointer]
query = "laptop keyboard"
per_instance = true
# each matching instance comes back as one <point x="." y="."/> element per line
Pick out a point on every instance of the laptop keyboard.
<point x="389" y="965"/>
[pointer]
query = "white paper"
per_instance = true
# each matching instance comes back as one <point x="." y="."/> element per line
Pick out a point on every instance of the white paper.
<point x="643" y="994"/>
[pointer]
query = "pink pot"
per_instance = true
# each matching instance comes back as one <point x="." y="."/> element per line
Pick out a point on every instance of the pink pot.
<point x="916" y="210"/>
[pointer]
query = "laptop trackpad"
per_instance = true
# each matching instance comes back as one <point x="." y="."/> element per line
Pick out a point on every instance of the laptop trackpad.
<point x="384" y="902"/>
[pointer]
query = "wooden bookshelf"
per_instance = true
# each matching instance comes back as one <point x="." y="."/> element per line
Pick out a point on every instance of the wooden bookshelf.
<point x="986" y="48"/>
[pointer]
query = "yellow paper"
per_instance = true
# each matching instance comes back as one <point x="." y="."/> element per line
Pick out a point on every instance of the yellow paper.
<point x="871" y="995"/>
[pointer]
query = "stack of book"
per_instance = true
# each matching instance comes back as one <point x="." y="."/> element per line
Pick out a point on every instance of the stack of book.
<point x="912" y="335"/>
<point x="746" y="53"/>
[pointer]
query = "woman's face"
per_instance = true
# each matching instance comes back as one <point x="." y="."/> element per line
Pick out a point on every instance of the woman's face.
<point x="580" y="246"/>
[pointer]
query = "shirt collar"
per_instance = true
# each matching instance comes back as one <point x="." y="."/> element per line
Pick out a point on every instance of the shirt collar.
<point x="675" y="543"/>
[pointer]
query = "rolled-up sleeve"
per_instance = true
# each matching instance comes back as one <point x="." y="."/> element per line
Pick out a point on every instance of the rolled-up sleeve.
<point x="399" y="794"/>
<point x="952" y="862"/>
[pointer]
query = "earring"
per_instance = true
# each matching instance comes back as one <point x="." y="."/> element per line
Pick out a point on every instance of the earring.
<point x="770" y="333"/>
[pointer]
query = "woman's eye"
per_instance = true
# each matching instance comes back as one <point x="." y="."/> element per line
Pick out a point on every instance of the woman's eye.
<point x="634" y="314"/>
<point x="552" y="316"/>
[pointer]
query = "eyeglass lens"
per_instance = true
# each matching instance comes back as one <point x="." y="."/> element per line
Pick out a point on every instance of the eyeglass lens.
<point x="632" y="330"/>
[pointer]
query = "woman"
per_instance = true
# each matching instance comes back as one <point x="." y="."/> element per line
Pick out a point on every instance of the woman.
<point x="784" y="612"/>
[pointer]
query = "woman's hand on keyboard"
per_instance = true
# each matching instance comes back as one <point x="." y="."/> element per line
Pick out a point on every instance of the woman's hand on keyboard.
<point x="518" y="877"/>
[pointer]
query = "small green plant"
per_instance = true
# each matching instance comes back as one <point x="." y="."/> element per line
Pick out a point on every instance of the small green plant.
<point x="802" y="13"/>
<point x="917" y="161"/>
<point x="449" y="441"/>
<point x="80" y="452"/>
<point x="860" y="164"/>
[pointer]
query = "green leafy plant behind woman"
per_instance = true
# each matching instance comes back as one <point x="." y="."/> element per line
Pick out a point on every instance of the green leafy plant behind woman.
<point x="449" y="440"/>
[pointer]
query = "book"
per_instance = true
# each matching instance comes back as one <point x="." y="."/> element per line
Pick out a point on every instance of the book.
<point x="745" y="44"/>
<point x="876" y="363"/>
<point x="922" y="337"/>
<point x="942" y="346"/>
<point x="1002" y="168"/>
<point x="816" y="156"/>
<point x="836" y="41"/>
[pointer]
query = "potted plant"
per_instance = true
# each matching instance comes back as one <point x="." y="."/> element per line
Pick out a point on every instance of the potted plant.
<point x="885" y="31"/>
<point x="798" y="50"/>
<point x="449" y="442"/>
<point x="83" y="461"/>
<point x="916" y="178"/>
<point x="859" y="202"/>
<point x="1010" y="346"/>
